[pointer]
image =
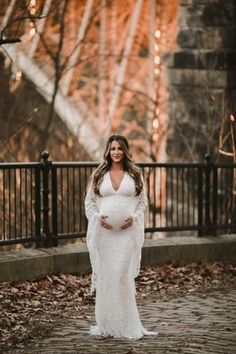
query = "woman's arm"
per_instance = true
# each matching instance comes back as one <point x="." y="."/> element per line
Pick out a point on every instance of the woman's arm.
<point x="91" y="208"/>
<point x="142" y="203"/>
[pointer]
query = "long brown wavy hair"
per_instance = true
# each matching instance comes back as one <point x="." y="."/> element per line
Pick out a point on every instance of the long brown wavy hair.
<point x="127" y="164"/>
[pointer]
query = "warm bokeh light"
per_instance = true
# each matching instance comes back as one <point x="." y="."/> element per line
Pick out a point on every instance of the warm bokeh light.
<point x="18" y="75"/>
<point x="32" y="32"/>
<point x="155" y="137"/>
<point x="157" y="60"/>
<point x="155" y="123"/>
<point x="158" y="34"/>
<point x="32" y="7"/>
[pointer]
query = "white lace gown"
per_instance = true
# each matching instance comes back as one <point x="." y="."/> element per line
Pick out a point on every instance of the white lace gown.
<point x="115" y="257"/>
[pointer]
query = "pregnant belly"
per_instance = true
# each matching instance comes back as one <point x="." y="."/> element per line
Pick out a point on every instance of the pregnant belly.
<point x="117" y="210"/>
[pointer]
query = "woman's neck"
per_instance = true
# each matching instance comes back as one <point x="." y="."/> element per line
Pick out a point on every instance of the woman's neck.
<point x="116" y="166"/>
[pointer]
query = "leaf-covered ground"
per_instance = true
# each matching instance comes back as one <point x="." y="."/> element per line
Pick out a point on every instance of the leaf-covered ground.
<point x="30" y="309"/>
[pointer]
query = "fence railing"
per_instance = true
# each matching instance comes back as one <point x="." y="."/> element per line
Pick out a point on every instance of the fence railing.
<point x="42" y="202"/>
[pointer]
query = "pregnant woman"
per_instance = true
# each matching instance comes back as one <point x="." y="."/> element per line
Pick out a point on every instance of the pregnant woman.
<point x="115" y="205"/>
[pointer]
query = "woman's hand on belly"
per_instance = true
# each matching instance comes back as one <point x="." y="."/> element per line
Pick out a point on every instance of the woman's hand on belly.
<point x="105" y="223"/>
<point x="128" y="223"/>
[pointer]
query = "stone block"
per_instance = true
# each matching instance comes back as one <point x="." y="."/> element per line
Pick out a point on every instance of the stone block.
<point x="199" y="78"/>
<point x="194" y="15"/>
<point x="204" y="95"/>
<point x="197" y="2"/>
<point x="219" y="14"/>
<point x="209" y="14"/>
<point x="231" y="59"/>
<point x="205" y="38"/>
<point x="185" y="59"/>
<point x="187" y="38"/>
<point x="205" y="59"/>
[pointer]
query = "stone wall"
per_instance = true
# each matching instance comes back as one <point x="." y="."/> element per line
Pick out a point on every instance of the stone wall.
<point x="31" y="264"/>
<point x="201" y="78"/>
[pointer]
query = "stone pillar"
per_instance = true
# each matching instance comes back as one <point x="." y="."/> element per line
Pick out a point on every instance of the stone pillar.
<point x="201" y="77"/>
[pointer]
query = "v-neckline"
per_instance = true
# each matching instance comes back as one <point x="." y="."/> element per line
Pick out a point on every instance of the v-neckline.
<point x="116" y="190"/>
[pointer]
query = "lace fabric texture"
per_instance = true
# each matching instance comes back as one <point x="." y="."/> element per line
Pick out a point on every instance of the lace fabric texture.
<point x="115" y="257"/>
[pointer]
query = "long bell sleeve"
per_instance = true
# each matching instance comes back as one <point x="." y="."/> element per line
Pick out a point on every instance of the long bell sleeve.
<point x="94" y="225"/>
<point x="138" y="226"/>
<point x="141" y="206"/>
<point x="91" y="208"/>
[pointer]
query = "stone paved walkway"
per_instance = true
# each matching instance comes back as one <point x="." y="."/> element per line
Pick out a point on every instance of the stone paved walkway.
<point x="194" y="324"/>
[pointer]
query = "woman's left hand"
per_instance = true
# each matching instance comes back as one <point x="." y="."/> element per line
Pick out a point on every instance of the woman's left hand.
<point x="128" y="223"/>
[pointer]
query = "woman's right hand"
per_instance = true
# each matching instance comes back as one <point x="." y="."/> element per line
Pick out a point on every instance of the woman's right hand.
<point x="105" y="223"/>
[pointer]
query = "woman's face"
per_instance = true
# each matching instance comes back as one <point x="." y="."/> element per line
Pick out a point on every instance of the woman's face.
<point x="116" y="152"/>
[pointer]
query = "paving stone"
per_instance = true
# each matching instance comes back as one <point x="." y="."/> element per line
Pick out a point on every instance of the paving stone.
<point x="193" y="324"/>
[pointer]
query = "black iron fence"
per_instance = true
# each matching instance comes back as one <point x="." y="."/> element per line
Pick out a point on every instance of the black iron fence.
<point x="42" y="202"/>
